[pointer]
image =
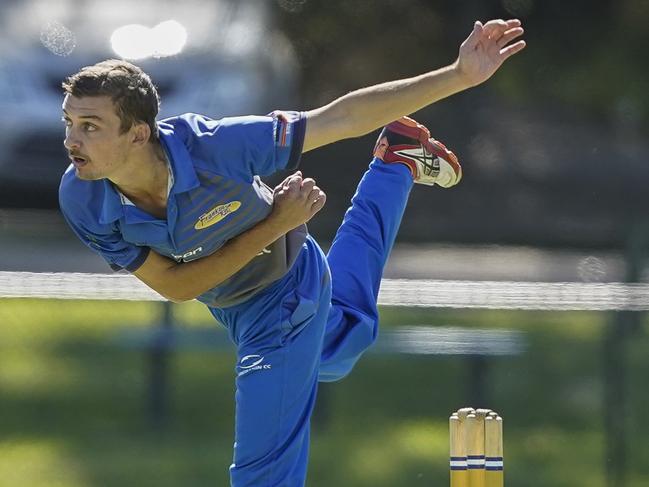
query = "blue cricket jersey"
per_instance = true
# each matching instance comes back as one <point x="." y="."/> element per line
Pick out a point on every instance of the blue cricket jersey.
<point x="215" y="193"/>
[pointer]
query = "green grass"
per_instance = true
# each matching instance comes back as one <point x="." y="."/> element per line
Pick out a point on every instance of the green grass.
<point x="72" y="404"/>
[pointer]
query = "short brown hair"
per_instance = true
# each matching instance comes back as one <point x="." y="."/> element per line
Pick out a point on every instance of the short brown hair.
<point x="131" y="89"/>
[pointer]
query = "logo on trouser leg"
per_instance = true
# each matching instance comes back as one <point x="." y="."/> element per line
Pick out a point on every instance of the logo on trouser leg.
<point x="251" y="363"/>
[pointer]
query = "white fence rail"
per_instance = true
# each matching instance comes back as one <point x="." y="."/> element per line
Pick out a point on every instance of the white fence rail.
<point x="394" y="292"/>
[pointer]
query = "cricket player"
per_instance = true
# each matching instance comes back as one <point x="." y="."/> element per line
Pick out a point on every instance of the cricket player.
<point x="180" y="204"/>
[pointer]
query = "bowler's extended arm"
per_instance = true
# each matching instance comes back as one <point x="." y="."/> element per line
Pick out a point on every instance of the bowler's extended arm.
<point x="367" y="109"/>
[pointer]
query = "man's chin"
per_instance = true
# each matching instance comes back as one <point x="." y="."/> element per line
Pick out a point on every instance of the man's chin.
<point x="86" y="175"/>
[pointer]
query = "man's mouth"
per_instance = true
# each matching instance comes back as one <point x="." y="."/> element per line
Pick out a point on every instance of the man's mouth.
<point x="78" y="161"/>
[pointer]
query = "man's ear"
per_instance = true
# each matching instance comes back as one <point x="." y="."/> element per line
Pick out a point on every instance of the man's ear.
<point x="141" y="133"/>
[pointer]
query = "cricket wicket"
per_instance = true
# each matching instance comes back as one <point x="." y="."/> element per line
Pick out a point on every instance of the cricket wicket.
<point x="476" y="448"/>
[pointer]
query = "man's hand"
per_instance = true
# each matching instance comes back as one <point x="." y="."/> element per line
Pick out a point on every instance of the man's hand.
<point x="296" y="201"/>
<point x="361" y="111"/>
<point x="487" y="48"/>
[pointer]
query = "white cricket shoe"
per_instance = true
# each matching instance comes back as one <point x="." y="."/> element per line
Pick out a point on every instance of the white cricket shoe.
<point x="407" y="142"/>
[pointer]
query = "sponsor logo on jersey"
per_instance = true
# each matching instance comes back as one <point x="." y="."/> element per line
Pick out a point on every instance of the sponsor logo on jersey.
<point x="187" y="256"/>
<point x="251" y="363"/>
<point x="216" y="214"/>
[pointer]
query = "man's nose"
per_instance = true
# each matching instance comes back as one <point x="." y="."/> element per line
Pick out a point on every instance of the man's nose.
<point x="71" y="142"/>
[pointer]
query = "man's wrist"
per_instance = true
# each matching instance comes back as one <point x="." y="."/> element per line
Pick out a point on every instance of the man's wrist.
<point x="274" y="226"/>
<point x="461" y="79"/>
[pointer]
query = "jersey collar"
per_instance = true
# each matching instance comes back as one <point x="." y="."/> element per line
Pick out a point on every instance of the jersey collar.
<point x="182" y="167"/>
<point x="183" y="175"/>
<point x="111" y="208"/>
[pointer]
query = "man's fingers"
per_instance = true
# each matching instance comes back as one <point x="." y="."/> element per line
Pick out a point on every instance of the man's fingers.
<point x="319" y="202"/>
<point x="495" y="29"/>
<point x="295" y="178"/>
<point x="314" y="194"/>
<point x="296" y="174"/>
<point x="293" y="183"/>
<point x="308" y="184"/>
<point x="289" y="179"/>
<point x="474" y="38"/>
<point x="509" y="36"/>
<point x="509" y="51"/>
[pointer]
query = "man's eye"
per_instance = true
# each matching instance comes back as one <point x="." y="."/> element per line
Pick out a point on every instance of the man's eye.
<point x="88" y="127"/>
<point x="66" y="122"/>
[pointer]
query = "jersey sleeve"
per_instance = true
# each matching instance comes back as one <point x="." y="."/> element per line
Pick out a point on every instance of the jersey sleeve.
<point x="104" y="239"/>
<point x="251" y="145"/>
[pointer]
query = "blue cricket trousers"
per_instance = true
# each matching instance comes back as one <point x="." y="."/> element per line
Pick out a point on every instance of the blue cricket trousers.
<point x="312" y="325"/>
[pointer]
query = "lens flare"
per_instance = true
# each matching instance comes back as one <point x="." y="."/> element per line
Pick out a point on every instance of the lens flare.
<point x="135" y="41"/>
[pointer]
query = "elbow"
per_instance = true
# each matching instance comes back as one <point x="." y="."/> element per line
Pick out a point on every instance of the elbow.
<point x="177" y="295"/>
<point x="177" y="288"/>
<point x="180" y="297"/>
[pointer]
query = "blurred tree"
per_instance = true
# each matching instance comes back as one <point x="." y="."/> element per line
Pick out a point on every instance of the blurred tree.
<point x="583" y="52"/>
<point x="537" y="141"/>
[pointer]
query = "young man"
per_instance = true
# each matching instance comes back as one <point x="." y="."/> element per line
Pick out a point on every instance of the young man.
<point x="179" y="203"/>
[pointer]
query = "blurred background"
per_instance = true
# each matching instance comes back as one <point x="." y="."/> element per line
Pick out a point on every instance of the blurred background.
<point x="554" y="149"/>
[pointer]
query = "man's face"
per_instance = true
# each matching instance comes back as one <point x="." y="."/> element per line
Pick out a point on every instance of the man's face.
<point x="92" y="136"/>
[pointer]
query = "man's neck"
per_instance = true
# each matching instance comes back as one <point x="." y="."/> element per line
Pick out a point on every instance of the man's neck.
<point x="145" y="180"/>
